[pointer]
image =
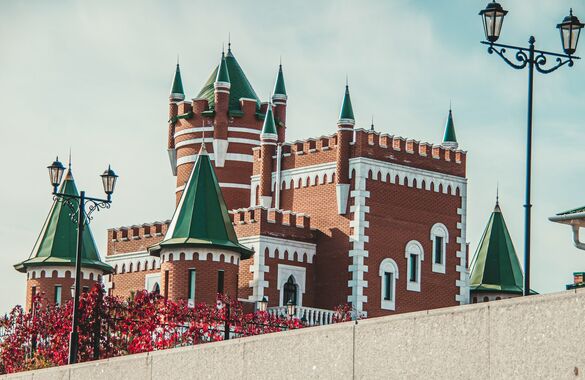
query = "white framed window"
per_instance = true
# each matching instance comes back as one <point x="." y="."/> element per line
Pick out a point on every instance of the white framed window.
<point x="152" y="282"/>
<point x="439" y="239"/>
<point x="388" y="276"/>
<point x="191" y="288"/>
<point x="414" y="254"/>
<point x="58" y="294"/>
<point x="286" y="274"/>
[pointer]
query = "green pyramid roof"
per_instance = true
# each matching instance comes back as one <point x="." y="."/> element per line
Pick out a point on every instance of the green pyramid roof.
<point x="269" y="127"/>
<point x="57" y="243"/>
<point x="177" y="88"/>
<point x="346" y="108"/>
<point x="222" y="74"/>
<point x="201" y="218"/>
<point x="240" y="86"/>
<point x="495" y="266"/>
<point x="449" y="129"/>
<point x="279" y="88"/>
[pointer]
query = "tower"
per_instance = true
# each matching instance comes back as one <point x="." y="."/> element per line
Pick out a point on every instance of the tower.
<point x="345" y="126"/>
<point x="200" y="248"/>
<point x="50" y="268"/>
<point x="227" y="110"/>
<point x="268" y="138"/>
<point x="495" y="269"/>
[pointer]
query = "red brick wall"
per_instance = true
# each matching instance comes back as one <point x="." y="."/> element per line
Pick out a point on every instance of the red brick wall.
<point x="397" y="215"/>
<point x="47" y="285"/>
<point x="205" y="279"/>
<point x="273" y="293"/>
<point x="126" y="283"/>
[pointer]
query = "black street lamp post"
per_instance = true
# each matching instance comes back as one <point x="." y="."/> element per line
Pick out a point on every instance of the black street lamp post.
<point x="77" y="204"/>
<point x="493" y="18"/>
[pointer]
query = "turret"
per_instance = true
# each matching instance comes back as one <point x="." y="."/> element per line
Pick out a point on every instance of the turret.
<point x="177" y="95"/>
<point x="50" y="268"/>
<point x="222" y="87"/>
<point x="449" y="139"/>
<point x="268" y="138"/>
<point x="279" y="99"/>
<point x="200" y="252"/>
<point x="345" y="126"/>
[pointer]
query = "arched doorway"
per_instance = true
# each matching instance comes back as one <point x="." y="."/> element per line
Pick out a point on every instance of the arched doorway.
<point x="290" y="291"/>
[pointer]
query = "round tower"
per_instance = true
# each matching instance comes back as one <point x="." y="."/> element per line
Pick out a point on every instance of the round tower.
<point x="226" y="112"/>
<point x="279" y="99"/>
<point x="50" y="269"/>
<point x="200" y="253"/>
<point x="267" y="151"/>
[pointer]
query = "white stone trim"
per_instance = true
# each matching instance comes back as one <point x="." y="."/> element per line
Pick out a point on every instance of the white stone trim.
<point x="234" y="185"/>
<point x="358" y="238"/>
<point x="151" y="279"/>
<point x="244" y="130"/>
<point x="299" y="274"/>
<point x="463" y="282"/>
<point x="346" y="122"/>
<point x="413" y="247"/>
<point x="287" y="249"/>
<point x="194" y="130"/>
<point x="228" y="157"/>
<point x="179" y="188"/>
<point x="220" y="84"/>
<point x="125" y="259"/>
<point x="308" y="176"/>
<point x="200" y="253"/>
<point x="61" y="270"/>
<point x="407" y="175"/>
<point x="243" y="141"/>
<point x="388" y="265"/>
<point x="439" y="230"/>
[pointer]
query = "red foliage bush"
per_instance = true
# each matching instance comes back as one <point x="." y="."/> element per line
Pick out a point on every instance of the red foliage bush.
<point x="110" y="326"/>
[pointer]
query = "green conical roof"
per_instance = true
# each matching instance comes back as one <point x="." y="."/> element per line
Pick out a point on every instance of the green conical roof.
<point x="201" y="218"/>
<point x="222" y="74"/>
<point x="177" y="88"/>
<point x="57" y="243"/>
<point x="269" y="127"/>
<point x="495" y="266"/>
<point x="279" y="88"/>
<point x="346" y="108"/>
<point x="240" y="86"/>
<point x="450" y="129"/>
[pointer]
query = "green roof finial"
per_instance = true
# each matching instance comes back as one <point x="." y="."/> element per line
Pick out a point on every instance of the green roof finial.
<point x="201" y="218"/>
<point x="223" y="75"/>
<point x="346" y="114"/>
<point x="449" y="139"/>
<point x="57" y="242"/>
<point x="177" y="92"/>
<point x="269" y="126"/>
<point x="279" y="88"/>
<point x="495" y="266"/>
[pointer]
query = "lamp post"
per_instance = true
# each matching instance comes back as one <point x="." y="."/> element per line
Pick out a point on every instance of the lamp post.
<point x="290" y="308"/>
<point x="570" y="28"/>
<point x="262" y="305"/>
<point x="77" y="204"/>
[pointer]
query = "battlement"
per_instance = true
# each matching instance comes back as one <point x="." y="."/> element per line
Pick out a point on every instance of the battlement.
<point x="135" y="238"/>
<point x="375" y="145"/>
<point x="258" y="220"/>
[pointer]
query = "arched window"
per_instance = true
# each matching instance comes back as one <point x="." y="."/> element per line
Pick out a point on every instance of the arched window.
<point x="290" y="291"/>
<point x="414" y="254"/>
<point x="474" y="299"/>
<point x="486" y="299"/>
<point x="388" y="275"/>
<point x="439" y="239"/>
<point x="156" y="288"/>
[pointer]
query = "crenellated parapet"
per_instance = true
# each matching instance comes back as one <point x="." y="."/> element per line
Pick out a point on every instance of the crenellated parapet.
<point x="285" y="224"/>
<point x="135" y="238"/>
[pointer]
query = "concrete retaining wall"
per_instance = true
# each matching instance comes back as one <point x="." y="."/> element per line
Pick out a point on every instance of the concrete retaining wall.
<point x="534" y="337"/>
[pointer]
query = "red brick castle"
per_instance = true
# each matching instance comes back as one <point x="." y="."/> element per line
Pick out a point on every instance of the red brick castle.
<point x="354" y="216"/>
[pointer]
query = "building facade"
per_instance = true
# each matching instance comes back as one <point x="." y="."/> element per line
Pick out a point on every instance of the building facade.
<point x="354" y="216"/>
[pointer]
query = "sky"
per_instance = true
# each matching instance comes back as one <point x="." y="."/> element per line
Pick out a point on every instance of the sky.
<point x="94" y="77"/>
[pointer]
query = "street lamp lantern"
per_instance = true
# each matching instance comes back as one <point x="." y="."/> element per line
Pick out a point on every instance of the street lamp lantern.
<point x="263" y="304"/>
<point x="493" y="18"/>
<point x="109" y="179"/>
<point x="56" y="170"/>
<point x="290" y="308"/>
<point x="570" y="29"/>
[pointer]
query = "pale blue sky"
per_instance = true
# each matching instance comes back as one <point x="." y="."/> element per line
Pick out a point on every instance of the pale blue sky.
<point x="95" y="76"/>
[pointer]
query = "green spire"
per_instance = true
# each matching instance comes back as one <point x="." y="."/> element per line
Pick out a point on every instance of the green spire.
<point x="57" y="242"/>
<point x="223" y="74"/>
<point x="269" y="127"/>
<point x="240" y="86"/>
<point x="279" y="88"/>
<point x="177" y="88"/>
<point x="495" y="266"/>
<point x="346" y="114"/>
<point x="449" y="136"/>
<point x="201" y="218"/>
